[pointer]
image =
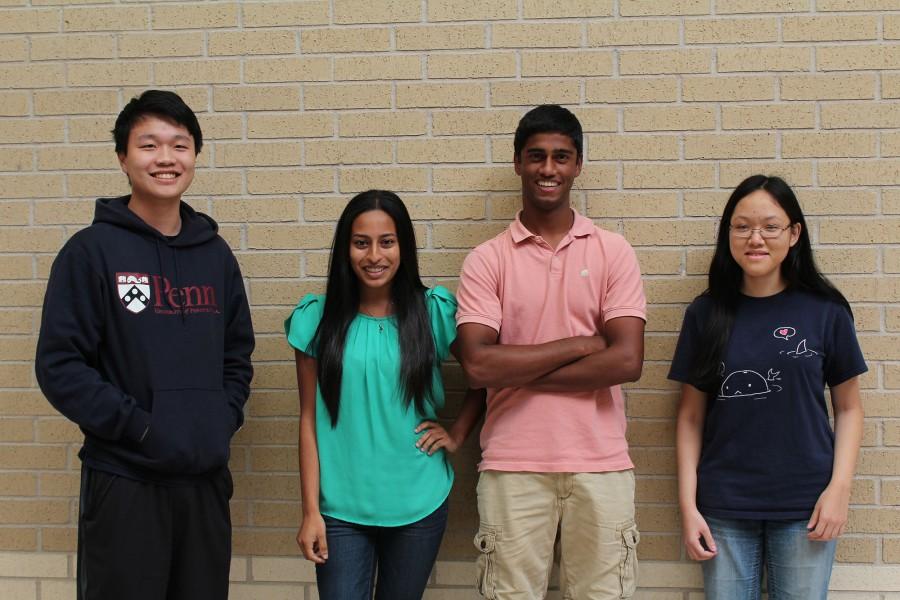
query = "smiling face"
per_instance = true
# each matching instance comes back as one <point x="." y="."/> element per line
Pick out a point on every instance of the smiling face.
<point x="761" y="258"/>
<point x="374" y="251"/>
<point x="548" y="166"/>
<point x="159" y="161"/>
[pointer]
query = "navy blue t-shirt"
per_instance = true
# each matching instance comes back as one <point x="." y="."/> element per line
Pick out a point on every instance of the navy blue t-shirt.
<point x="768" y="447"/>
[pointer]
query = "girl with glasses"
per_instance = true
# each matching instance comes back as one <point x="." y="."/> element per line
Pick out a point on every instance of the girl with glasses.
<point x="764" y="481"/>
<point x="374" y="477"/>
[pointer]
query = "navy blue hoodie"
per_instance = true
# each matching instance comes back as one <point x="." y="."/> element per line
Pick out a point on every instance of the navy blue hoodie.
<point x="145" y="343"/>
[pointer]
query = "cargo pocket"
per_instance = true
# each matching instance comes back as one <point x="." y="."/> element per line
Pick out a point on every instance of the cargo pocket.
<point x="628" y="564"/>
<point x="486" y="544"/>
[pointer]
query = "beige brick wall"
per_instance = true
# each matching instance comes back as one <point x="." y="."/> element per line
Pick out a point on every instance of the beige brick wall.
<point x="306" y="102"/>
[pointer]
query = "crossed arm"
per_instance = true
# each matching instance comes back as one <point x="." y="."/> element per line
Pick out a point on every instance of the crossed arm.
<point x="573" y="364"/>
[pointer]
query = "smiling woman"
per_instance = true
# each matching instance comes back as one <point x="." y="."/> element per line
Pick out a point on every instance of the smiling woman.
<point x="368" y="357"/>
<point x="375" y="258"/>
<point x="763" y="479"/>
<point x="759" y="244"/>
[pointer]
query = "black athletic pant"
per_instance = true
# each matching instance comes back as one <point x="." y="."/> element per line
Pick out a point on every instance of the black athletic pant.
<point x="144" y="541"/>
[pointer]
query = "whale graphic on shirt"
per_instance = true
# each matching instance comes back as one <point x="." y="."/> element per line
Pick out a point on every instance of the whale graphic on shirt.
<point x="745" y="383"/>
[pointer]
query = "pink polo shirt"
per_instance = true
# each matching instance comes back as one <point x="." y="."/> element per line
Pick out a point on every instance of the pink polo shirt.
<point x="530" y="293"/>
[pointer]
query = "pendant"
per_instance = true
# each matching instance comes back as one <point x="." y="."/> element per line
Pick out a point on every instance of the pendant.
<point x="380" y="328"/>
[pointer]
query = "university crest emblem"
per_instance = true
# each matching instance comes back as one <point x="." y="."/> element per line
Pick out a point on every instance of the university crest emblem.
<point x="134" y="290"/>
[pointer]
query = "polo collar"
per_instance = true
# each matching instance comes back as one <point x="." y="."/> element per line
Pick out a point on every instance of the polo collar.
<point x="581" y="226"/>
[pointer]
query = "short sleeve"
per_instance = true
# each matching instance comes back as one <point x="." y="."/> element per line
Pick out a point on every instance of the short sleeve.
<point x="442" y="313"/>
<point x="686" y="348"/>
<point x="479" y="300"/>
<point x="300" y="327"/>
<point x="624" y="295"/>
<point x="844" y="358"/>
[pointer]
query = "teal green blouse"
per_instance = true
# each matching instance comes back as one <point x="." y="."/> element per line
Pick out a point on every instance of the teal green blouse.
<point x="370" y="471"/>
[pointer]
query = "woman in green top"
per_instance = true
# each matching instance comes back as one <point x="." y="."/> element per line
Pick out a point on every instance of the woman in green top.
<point x="373" y="474"/>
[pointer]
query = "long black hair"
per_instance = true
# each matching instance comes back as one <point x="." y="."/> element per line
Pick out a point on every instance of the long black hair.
<point x="725" y="277"/>
<point x="417" y="352"/>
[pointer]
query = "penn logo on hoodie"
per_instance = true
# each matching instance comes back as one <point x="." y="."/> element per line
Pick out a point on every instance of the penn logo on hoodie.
<point x="134" y="290"/>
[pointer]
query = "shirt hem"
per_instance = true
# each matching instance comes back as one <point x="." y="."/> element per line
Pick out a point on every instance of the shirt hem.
<point x="556" y="467"/>
<point x="145" y="475"/>
<point x="615" y="313"/>
<point x="748" y="515"/>
<point x="400" y="523"/>
<point x="844" y="377"/>
<point x="678" y="376"/>
<point x="480" y="319"/>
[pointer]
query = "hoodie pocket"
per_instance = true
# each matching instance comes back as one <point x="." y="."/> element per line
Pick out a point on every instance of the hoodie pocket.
<point x="190" y="430"/>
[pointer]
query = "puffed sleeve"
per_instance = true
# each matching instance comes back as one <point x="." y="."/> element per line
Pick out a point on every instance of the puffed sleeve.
<point x="442" y="312"/>
<point x="300" y="327"/>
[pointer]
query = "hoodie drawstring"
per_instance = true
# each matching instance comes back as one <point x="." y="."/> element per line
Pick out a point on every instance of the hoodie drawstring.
<point x="159" y="261"/>
<point x="161" y="274"/>
<point x="177" y="286"/>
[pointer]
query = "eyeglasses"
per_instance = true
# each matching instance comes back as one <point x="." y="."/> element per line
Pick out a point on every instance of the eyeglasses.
<point x="768" y="232"/>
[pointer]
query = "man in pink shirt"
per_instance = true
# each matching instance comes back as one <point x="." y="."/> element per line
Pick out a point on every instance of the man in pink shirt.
<point x="551" y="320"/>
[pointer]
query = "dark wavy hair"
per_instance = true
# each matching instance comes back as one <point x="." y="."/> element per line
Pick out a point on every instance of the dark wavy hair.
<point x="725" y="277"/>
<point x="158" y="103"/>
<point x="548" y="118"/>
<point x="417" y="351"/>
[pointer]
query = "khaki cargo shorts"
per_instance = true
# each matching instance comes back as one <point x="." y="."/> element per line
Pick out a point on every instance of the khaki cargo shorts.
<point x="520" y="516"/>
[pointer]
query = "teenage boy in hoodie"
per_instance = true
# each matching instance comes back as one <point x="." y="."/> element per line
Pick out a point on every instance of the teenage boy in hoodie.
<point x="551" y="320"/>
<point x="145" y="343"/>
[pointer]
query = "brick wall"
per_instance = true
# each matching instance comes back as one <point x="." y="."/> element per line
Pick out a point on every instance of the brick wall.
<point x="305" y="103"/>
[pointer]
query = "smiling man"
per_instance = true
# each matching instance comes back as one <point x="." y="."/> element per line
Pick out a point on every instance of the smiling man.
<point x="145" y="343"/>
<point x="551" y="320"/>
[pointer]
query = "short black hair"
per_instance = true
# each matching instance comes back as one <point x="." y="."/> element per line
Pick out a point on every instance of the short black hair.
<point x="158" y="103"/>
<point x="549" y="118"/>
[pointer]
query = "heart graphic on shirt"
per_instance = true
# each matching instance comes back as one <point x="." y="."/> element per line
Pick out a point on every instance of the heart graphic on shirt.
<point x="784" y="333"/>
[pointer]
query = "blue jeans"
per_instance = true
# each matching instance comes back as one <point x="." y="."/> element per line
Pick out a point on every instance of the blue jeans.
<point x="402" y="556"/>
<point x="796" y="568"/>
